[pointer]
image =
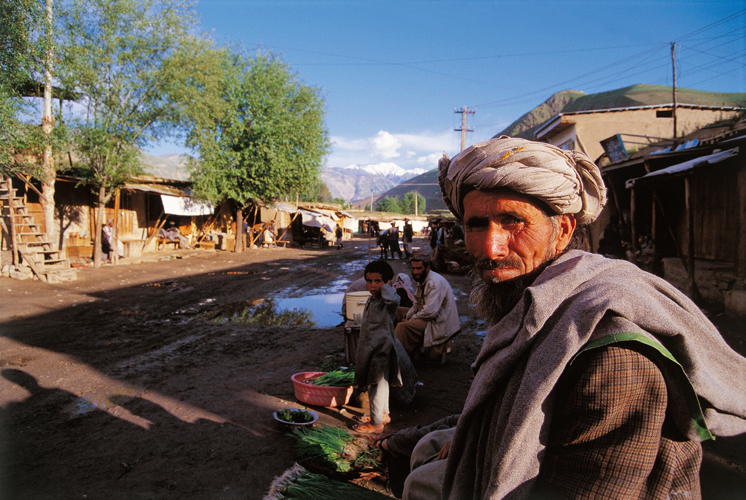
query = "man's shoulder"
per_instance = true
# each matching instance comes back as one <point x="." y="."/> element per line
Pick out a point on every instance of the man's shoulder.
<point x="437" y="279"/>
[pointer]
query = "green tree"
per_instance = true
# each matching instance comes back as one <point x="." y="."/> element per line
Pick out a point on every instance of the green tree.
<point x="26" y="57"/>
<point x="267" y="140"/>
<point x="389" y="204"/>
<point x="22" y="47"/>
<point x="317" y="191"/>
<point x="117" y="54"/>
<point x="408" y="203"/>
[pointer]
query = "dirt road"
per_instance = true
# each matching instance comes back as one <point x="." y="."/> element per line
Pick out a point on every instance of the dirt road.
<point x="118" y="386"/>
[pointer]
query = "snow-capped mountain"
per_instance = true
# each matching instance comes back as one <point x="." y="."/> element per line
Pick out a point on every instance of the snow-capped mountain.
<point x="357" y="182"/>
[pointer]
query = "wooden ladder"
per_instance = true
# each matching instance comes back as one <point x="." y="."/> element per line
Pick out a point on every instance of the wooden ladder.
<point x="28" y="241"/>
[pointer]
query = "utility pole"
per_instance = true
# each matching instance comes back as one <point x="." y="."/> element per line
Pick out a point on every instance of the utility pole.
<point x="464" y="111"/>
<point x="673" y="61"/>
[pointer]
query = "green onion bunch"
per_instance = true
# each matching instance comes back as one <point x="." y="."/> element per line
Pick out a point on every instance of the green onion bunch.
<point x="324" y="446"/>
<point x="299" y="484"/>
<point x="337" y="378"/>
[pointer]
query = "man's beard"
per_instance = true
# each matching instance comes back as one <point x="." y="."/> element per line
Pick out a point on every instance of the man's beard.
<point x="493" y="300"/>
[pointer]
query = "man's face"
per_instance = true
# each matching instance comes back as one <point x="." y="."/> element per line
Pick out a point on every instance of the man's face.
<point x="419" y="271"/>
<point x="509" y="236"/>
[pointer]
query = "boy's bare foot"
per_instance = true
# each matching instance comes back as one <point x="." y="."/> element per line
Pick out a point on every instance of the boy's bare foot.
<point x="368" y="428"/>
<point x="366" y="419"/>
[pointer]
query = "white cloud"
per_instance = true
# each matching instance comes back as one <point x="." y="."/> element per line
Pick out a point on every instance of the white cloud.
<point x="385" y="145"/>
<point x="429" y="160"/>
<point x="409" y="150"/>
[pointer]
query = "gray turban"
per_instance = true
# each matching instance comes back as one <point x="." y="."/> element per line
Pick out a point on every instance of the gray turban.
<point x="568" y="181"/>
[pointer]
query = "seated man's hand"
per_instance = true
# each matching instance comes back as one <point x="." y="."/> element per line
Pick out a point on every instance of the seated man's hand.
<point x="383" y="449"/>
<point x="443" y="453"/>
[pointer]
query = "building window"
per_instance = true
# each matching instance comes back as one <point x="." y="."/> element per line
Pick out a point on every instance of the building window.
<point x="664" y="113"/>
<point x="568" y="145"/>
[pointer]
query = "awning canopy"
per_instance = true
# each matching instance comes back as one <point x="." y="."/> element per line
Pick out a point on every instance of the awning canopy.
<point x="284" y="207"/>
<point x="175" y="205"/>
<point x="313" y="219"/>
<point x="681" y="168"/>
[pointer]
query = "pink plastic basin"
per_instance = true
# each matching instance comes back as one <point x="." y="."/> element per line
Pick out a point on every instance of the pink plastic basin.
<point x="319" y="395"/>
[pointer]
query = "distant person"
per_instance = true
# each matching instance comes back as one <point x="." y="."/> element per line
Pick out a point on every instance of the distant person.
<point x="376" y="361"/>
<point x="433" y="235"/>
<point x="338" y="234"/>
<point x="108" y="242"/>
<point x="393" y="238"/>
<point x="268" y="236"/>
<point x="173" y="234"/>
<point x="382" y="240"/>
<point x="610" y="243"/>
<point x="407" y="236"/>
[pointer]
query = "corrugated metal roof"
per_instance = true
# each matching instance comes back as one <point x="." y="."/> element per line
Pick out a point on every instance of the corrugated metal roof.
<point x="158" y="189"/>
<point x="684" y="167"/>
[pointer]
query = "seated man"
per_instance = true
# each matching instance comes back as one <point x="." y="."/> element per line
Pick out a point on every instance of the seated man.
<point x="268" y="235"/>
<point x="433" y="318"/>
<point x="173" y="234"/>
<point x="595" y="377"/>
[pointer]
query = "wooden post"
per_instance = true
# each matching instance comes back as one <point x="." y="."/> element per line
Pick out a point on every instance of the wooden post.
<point x="115" y="229"/>
<point x="158" y="225"/>
<point x="12" y="229"/>
<point x="239" y="230"/>
<point x="693" y="291"/>
<point x="632" y="221"/>
<point x="279" y="238"/>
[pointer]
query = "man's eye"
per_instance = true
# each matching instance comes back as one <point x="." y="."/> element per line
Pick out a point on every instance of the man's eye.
<point x="511" y="219"/>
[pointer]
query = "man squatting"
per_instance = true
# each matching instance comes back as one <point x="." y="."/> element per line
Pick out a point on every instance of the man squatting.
<point x="596" y="379"/>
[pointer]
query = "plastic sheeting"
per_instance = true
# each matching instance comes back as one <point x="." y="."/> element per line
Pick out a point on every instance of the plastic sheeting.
<point x="313" y="219"/>
<point x="175" y="205"/>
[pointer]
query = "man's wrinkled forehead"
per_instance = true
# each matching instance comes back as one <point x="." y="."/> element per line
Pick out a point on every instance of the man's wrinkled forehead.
<point x="501" y="193"/>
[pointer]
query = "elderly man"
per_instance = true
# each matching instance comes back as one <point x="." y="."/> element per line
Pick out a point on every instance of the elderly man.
<point x="596" y="379"/>
<point x="433" y="318"/>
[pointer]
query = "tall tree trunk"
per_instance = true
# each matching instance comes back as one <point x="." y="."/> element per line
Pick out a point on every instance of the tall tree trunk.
<point x="47" y="125"/>
<point x="239" y="229"/>
<point x="99" y="226"/>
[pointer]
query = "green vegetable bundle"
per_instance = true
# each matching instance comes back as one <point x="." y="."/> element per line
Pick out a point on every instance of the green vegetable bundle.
<point x="338" y="378"/>
<point x="333" y="449"/>
<point x="299" y="484"/>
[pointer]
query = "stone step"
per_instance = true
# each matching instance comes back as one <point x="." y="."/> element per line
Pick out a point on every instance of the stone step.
<point x="57" y="276"/>
<point x="51" y="265"/>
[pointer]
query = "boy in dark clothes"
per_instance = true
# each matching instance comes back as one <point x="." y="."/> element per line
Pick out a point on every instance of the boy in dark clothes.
<point x="377" y="365"/>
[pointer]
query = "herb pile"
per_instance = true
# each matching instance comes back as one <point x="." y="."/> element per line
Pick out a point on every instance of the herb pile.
<point x="342" y="377"/>
<point x="298" y="483"/>
<point x="334" y="449"/>
<point x="294" y="416"/>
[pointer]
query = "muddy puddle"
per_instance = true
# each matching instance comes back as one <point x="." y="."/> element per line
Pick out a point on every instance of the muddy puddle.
<point x="292" y="306"/>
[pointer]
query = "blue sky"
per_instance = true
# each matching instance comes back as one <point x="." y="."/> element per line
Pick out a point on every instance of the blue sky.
<point x="393" y="72"/>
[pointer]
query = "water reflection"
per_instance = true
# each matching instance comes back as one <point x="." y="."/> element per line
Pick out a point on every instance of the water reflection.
<point x="326" y="309"/>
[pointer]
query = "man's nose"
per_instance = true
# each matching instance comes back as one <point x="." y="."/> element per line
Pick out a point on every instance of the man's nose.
<point x="496" y="242"/>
